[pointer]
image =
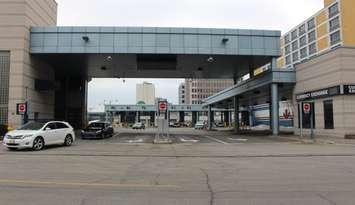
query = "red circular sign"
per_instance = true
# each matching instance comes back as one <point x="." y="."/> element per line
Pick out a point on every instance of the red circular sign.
<point x="306" y="107"/>
<point x="162" y="106"/>
<point x="22" y="108"/>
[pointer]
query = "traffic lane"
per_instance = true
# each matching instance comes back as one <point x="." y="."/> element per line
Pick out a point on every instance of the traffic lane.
<point x="117" y="180"/>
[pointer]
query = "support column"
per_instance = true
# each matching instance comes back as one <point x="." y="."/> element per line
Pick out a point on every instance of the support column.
<point x="210" y="116"/>
<point x="181" y="116"/>
<point x="236" y="114"/>
<point x="275" y="117"/>
<point x="194" y="118"/>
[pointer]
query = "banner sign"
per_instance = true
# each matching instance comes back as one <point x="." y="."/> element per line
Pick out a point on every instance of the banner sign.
<point x="349" y="89"/>
<point x="324" y="93"/>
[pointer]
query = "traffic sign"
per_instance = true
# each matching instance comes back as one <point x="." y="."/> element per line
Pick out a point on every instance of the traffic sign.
<point x="163" y="106"/>
<point x="306" y="108"/>
<point x="21" y="108"/>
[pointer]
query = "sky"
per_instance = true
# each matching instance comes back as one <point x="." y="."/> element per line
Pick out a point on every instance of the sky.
<point x="243" y="14"/>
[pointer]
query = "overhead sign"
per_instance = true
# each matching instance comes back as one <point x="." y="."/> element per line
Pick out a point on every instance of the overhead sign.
<point x="327" y="92"/>
<point x="349" y="89"/>
<point x="306" y="108"/>
<point x="21" y="108"/>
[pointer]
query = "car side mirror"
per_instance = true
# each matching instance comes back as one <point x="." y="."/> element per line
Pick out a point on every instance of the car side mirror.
<point x="47" y="128"/>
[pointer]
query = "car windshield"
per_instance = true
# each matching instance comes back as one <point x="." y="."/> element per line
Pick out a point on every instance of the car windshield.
<point x="96" y="125"/>
<point x="32" y="126"/>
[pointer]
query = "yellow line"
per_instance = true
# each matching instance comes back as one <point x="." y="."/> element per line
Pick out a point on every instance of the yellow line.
<point x="5" y="181"/>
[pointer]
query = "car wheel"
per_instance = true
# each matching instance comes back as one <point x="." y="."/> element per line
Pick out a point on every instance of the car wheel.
<point x="68" y="140"/>
<point x="38" y="144"/>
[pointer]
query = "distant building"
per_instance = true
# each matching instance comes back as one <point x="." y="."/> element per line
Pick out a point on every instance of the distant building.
<point x="145" y="93"/>
<point x="182" y="94"/>
<point x="196" y="90"/>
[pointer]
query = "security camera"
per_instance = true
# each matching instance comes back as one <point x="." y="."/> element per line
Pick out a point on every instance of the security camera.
<point x="210" y="59"/>
<point x="109" y="58"/>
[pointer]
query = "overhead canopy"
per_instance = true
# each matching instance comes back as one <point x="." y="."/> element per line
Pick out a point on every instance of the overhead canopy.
<point x="256" y="90"/>
<point x="141" y="52"/>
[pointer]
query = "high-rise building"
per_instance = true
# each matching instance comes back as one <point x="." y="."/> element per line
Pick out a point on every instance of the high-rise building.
<point x="182" y="94"/>
<point x="197" y="90"/>
<point x="145" y="93"/>
<point x="331" y="27"/>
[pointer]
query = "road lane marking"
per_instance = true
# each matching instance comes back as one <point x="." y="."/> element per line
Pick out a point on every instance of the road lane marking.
<point x="216" y="140"/>
<point x="29" y="182"/>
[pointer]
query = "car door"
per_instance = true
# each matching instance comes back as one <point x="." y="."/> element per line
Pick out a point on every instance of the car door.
<point x="50" y="135"/>
<point x="62" y="131"/>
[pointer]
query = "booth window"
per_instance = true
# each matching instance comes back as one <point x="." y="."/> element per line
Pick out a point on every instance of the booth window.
<point x="328" y="114"/>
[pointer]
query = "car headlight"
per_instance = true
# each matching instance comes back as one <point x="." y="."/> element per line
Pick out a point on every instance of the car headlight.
<point x="26" y="136"/>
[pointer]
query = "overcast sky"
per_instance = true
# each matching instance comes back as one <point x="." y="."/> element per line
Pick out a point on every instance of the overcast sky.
<point x="252" y="14"/>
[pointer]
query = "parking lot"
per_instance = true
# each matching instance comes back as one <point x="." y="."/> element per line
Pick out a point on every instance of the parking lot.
<point x="198" y="168"/>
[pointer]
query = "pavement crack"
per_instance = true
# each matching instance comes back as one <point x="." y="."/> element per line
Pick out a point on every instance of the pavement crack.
<point x="331" y="202"/>
<point x="212" y="194"/>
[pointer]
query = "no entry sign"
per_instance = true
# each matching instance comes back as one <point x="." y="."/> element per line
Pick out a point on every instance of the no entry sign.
<point x="163" y="106"/>
<point x="21" y="108"/>
<point x="306" y="108"/>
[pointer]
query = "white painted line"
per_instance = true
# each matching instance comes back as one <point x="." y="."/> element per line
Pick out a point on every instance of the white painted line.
<point x="217" y="140"/>
<point x="136" y="141"/>
<point x="191" y="140"/>
<point x="238" y="139"/>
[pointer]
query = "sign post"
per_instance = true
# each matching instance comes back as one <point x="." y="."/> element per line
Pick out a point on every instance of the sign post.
<point x="162" y="137"/>
<point x="307" y="108"/>
<point x="22" y="109"/>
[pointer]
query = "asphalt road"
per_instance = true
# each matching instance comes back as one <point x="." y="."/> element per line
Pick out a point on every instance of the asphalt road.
<point x="114" y="171"/>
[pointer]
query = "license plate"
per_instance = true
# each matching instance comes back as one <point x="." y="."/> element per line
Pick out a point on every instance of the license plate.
<point x="12" y="142"/>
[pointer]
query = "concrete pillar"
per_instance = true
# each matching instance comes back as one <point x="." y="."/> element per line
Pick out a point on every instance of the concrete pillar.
<point x="227" y="118"/>
<point x="181" y="116"/>
<point x="152" y="118"/>
<point x="210" y="116"/>
<point x="275" y="109"/>
<point x="236" y="114"/>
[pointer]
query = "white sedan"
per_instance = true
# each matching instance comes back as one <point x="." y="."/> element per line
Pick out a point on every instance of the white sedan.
<point x="36" y="135"/>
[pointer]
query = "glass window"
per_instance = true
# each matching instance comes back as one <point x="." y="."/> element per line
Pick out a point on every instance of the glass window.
<point x="311" y="24"/>
<point x="295" y="56"/>
<point x="334" y="24"/>
<point x="51" y="126"/>
<point x="311" y="36"/>
<point x="287" y="49"/>
<point x="304" y="53"/>
<point x="312" y="49"/>
<point x="333" y="10"/>
<point x="335" y="38"/>
<point x="294" y="34"/>
<point x="288" y="60"/>
<point x="328" y="114"/>
<point x="61" y="125"/>
<point x="287" y="38"/>
<point x="302" y="30"/>
<point x="303" y="41"/>
<point x="294" y="45"/>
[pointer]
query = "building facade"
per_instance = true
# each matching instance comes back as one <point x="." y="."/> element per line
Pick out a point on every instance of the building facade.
<point x="331" y="27"/>
<point x="18" y="70"/>
<point x="196" y="90"/>
<point x="145" y="93"/>
<point x="333" y="100"/>
<point x="182" y="94"/>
